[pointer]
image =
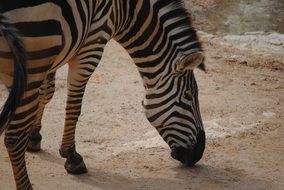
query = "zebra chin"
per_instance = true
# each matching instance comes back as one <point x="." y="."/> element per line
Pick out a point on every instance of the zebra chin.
<point x="190" y="156"/>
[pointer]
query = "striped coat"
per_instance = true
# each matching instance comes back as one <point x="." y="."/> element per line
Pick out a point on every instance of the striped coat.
<point x="39" y="36"/>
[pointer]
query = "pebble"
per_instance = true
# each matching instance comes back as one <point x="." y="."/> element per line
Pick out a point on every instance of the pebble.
<point x="243" y="62"/>
<point x="269" y="114"/>
<point x="255" y="33"/>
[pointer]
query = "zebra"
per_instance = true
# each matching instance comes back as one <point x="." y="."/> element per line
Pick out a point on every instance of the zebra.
<point x="157" y="34"/>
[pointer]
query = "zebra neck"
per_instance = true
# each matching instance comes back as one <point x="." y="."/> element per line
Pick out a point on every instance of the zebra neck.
<point x="155" y="33"/>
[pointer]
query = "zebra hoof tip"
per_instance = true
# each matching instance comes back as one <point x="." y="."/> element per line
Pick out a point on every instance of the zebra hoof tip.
<point x="76" y="168"/>
<point x="188" y="156"/>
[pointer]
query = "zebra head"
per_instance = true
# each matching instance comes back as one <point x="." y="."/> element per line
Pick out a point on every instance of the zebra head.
<point x="159" y="37"/>
<point x="172" y="107"/>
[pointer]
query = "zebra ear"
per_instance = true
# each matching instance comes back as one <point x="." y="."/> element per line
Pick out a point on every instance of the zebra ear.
<point x="191" y="61"/>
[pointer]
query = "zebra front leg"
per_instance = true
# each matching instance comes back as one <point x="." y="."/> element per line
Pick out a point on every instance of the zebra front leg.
<point x="45" y="94"/>
<point x="78" y="76"/>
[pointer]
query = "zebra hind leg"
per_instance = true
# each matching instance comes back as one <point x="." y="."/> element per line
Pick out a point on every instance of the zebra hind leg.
<point x="17" y="138"/>
<point x="16" y="148"/>
<point x="46" y="92"/>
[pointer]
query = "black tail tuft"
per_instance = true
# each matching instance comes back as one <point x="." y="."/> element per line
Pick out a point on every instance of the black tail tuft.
<point x="9" y="32"/>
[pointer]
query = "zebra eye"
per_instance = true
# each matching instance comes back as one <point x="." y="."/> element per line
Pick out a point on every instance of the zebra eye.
<point x="188" y="95"/>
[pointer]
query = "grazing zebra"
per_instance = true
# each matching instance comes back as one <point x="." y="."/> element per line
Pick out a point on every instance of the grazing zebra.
<point x="157" y="34"/>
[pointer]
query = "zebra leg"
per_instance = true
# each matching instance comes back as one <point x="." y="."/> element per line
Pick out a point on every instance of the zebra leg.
<point x="17" y="137"/>
<point x="45" y="94"/>
<point x="78" y="76"/>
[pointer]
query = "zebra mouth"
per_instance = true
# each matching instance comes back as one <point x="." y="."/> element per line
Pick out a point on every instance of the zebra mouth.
<point x="190" y="156"/>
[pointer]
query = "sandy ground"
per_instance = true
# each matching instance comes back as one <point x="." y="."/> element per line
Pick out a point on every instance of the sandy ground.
<point x="241" y="100"/>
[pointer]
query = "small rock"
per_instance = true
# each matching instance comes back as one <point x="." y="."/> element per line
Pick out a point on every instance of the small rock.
<point x="216" y="57"/>
<point x="269" y="114"/>
<point x="243" y="62"/>
<point x="255" y="33"/>
<point x="228" y="136"/>
<point x="252" y="133"/>
<point x="275" y="42"/>
<point x="236" y="58"/>
<point x="232" y="60"/>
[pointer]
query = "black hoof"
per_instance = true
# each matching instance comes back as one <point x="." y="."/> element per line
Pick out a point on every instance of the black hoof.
<point x="34" y="146"/>
<point x="76" y="168"/>
<point x="74" y="161"/>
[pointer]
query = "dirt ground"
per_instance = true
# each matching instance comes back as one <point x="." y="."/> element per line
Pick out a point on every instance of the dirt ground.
<point x="241" y="100"/>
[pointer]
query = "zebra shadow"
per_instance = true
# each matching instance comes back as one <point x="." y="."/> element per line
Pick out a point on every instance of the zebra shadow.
<point x="169" y="176"/>
<point x="48" y="156"/>
<point x="200" y="176"/>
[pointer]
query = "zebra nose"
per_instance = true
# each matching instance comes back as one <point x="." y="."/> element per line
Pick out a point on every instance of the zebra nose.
<point x="190" y="156"/>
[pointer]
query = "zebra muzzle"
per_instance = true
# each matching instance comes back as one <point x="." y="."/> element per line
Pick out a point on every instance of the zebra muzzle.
<point x="190" y="156"/>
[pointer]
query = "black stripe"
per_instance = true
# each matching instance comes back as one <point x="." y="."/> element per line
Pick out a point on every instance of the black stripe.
<point x="24" y="114"/>
<point x="83" y="18"/>
<point x="141" y="18"/>
<point x="39" y="28"/>
<point x="44" y="53"/>
<point x="39" y="69"/>
<point x="34" y="55"/>
<point x="8" y="5"/>
<point x="69" y="18"/>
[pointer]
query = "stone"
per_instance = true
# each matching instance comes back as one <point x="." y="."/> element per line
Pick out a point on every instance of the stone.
<point x="269" y="114"/>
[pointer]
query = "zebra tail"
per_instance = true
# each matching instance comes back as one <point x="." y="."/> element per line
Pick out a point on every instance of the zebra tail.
<point x="9" y="32"/>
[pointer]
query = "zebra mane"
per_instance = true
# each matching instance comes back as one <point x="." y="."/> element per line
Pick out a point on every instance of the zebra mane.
<point x="186" y="15"/>
<point x="183" y="11"/>
<point x="183" y="14"/>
